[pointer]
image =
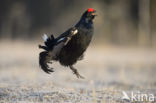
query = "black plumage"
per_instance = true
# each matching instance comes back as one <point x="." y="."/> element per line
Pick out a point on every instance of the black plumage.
<point x="69" y="47"/>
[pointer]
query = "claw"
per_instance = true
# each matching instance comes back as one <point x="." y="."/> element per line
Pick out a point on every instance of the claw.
<point x="78" y="75"/>
<point x="76" y="72"/>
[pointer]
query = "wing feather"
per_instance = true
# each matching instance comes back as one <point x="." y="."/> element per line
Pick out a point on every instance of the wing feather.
<point x="46" y="56"/>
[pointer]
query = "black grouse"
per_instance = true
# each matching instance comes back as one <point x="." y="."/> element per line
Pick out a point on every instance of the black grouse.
<point x="69" y="47"/>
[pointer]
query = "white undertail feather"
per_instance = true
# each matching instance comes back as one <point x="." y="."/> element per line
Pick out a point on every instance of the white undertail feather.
<point x="45" y="37"/>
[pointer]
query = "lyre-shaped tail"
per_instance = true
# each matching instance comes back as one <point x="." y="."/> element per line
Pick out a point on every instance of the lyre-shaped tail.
<point x="44" y="59"/>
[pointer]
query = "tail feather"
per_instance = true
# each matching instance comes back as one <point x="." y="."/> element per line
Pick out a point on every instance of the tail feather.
<point x="45" y="37"/>
<point x="45" y="58"/>
<point x="50" y="41"/>
<point x="43" y="47"/>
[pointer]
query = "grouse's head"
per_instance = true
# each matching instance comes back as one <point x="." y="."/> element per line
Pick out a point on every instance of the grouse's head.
<point x="89" y="14"/>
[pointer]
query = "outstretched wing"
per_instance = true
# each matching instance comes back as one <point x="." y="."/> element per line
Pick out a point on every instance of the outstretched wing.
<point x="46" y="56"/>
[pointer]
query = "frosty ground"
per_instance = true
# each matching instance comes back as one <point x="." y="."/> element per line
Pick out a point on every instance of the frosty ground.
<point x="107" y="70"/>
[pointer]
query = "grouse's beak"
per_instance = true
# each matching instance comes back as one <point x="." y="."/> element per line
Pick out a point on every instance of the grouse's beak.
<point x="93" y="14"/>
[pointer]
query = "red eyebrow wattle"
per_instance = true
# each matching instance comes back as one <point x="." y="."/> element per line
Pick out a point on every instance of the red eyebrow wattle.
<point x="90" y="10"/>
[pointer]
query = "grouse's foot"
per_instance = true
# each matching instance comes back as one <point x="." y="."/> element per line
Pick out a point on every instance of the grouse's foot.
<point x="76" y="72"/>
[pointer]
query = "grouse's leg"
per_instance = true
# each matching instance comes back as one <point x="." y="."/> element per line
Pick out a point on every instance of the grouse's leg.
<point x="76" y="72"/>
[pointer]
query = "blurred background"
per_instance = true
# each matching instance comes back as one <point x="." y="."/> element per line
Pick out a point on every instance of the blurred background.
<point x="119" y="22"/>
<point x="122" y="55"/>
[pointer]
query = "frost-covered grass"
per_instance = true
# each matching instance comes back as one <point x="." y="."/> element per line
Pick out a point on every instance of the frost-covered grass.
<point x="107" y="72"/>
